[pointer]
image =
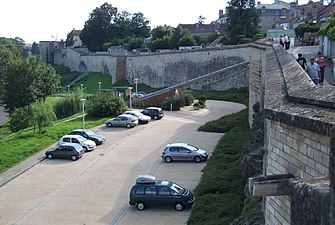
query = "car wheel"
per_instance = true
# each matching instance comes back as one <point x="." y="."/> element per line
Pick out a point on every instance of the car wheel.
<point x="197" y="159"/>
<point x="155" y="118"/>
<point x="128" y="125"/>
<point x="74" y="158"/>
<point x="140" y="206"/>
<point x="50" y="156"/>
<point x="109" y="124"/>
<point x="168" y="159"/>
<point x="85" y="148"/>
<point x="179" y="206"/>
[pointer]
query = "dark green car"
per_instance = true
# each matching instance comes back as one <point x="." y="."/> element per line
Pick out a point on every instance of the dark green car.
<point x="148" y="191"/>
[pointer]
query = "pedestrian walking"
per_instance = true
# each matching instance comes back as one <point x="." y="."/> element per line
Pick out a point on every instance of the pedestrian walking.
<point x="302" y="61"/>
<point x="286" y="42"/>
<point x="333" y="70"/>
<point x="320" y="60"/>
<point x="313" y="71"/>
<point x="281" y="40"/>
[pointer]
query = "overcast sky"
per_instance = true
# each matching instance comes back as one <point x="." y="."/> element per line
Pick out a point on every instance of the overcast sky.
<point x="46" y="20"/>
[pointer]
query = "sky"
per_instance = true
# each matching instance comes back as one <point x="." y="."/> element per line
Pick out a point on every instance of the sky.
<point x="46" y="20"/>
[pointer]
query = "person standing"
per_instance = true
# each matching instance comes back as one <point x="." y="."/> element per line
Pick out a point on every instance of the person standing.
<point x="281" y="40"/>
<point x="313" y="71"/>
<point x="320" y="60"/>
<point x="302" y="61"/>
<point x="333" y="61"/>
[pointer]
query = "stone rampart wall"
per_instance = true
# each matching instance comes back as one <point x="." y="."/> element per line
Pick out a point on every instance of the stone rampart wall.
<point x="166" y="69"/>
<point x="299" y="116"/>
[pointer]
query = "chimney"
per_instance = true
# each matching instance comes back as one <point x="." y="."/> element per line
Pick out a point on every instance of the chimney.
<point x="220" y="13"/>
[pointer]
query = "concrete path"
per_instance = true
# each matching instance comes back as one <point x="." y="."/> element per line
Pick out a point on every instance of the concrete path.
<point x="312" y="51"/>
<point x="3" y="115"/>
<point x="78" y="78"/>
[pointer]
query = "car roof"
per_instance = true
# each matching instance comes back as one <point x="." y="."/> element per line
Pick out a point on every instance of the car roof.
<point x="72" y="135"/>
<point x="126" y="115"/>
<point x="80" y="130"/>
<point x="72" y="144"/>
<point x="178" y="144"/>
<point x="154" y="108"/>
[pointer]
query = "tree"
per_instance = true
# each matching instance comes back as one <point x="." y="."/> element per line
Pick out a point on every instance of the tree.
<point x="306" y="27"/>
<point x="160" y="32"/>
<point x="201" y="19"/>
<point x="329" y="29"/>
<point x="42" y="115"/>
<point x="139" y="25"/>
<point x="99" y="27"/>
<point x="46" y="80"/>
<point x="187" y="40"/>
<point x="17" y="84"/>
<point x="34" y="49"/>
<point x="212" y="36"/>
<point x="243" y="19"/>
<point x="160" y="43"/>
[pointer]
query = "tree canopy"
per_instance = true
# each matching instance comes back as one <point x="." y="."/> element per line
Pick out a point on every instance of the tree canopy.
<point x="107" y="25"/>
<point x="243" y="20"/>
<point x="329" y="29"/>
<point x="23" y="79"/>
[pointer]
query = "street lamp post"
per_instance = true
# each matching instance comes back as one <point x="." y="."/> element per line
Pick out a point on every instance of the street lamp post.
<point x="68" y="88"/>
<point x="81" y="87"/>
<point x="83" y="106"/>
<point x="99" y="85"/>
<point x="130" y="98"/>
<point x="136" y="85"/>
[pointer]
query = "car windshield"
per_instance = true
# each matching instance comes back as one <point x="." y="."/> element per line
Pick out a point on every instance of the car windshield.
<point x="193" y="148"/>
<point x="89" y="132"/>
<point x="176" y="189"/>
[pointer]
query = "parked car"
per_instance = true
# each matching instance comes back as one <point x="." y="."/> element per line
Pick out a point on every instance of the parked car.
<point x="154" y="112"/>
<point x="89" y="134"/>
<point x="138" y="94"/>
<point x="183" y="152"/>
<point x="67" y="150"/>
<point x="149" y="191"/>
<point x="122" y="121"/>
<point x="142" y="119"/>
<point x="87" y="145"/>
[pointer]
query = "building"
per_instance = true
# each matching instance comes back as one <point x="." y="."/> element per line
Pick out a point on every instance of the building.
<point x="73" y="39"/>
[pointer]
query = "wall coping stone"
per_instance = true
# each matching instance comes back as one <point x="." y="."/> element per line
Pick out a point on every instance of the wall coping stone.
<point x="291" y="97"/>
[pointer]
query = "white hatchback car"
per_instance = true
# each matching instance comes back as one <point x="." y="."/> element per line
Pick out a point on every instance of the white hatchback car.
<point x="87" y="145"/>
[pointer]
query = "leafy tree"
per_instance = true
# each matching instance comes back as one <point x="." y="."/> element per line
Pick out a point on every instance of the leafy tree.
<point x="201" y="19"/>
<point x="175" y="37"/>
<point x="42" y="115"/>
<point x="306" y="27"/>
<point x="160" y="43"/>
<point x="243" y="19"/>
<point x="187" y="40"/>
<point x="199" y="40"/>
<point x="135" y="43"/>
<point x="160" y="32"/>
<point x="99" y="27"/>
<point x="329" y="29"/>
<point x="34" y="49"/>
<point x="17" y="84"/>
<point x="69" y="105"/>
<point x="139" y="25"/>
<point x="104" y="104"/>
<point x="46" y="80"/>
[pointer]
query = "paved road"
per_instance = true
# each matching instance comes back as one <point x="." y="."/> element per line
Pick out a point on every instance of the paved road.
<point x="3" y="115"/>
<point x="95" y="189"/>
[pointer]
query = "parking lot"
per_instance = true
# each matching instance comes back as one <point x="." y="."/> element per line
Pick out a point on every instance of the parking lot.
<point x="95" y="189"/>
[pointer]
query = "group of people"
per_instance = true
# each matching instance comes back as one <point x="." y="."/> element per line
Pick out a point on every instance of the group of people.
<point x="316" y="68"/>
<point x="285" y="41"/>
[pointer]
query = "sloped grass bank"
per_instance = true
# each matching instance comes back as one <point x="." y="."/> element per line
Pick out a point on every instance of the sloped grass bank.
<point x="219" y="194"/>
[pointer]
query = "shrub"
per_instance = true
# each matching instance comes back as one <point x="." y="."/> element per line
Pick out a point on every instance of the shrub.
<point x="69" y="105"/>
<point x="104" y="104"/>
<point x="177" y="102"/>
<point x="20" y="119"/>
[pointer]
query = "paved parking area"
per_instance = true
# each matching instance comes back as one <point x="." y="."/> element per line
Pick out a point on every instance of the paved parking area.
<point x="95" y="189"/>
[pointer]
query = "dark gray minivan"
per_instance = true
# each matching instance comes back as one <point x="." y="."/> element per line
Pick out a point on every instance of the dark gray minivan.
<point x="150" y="191"/>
